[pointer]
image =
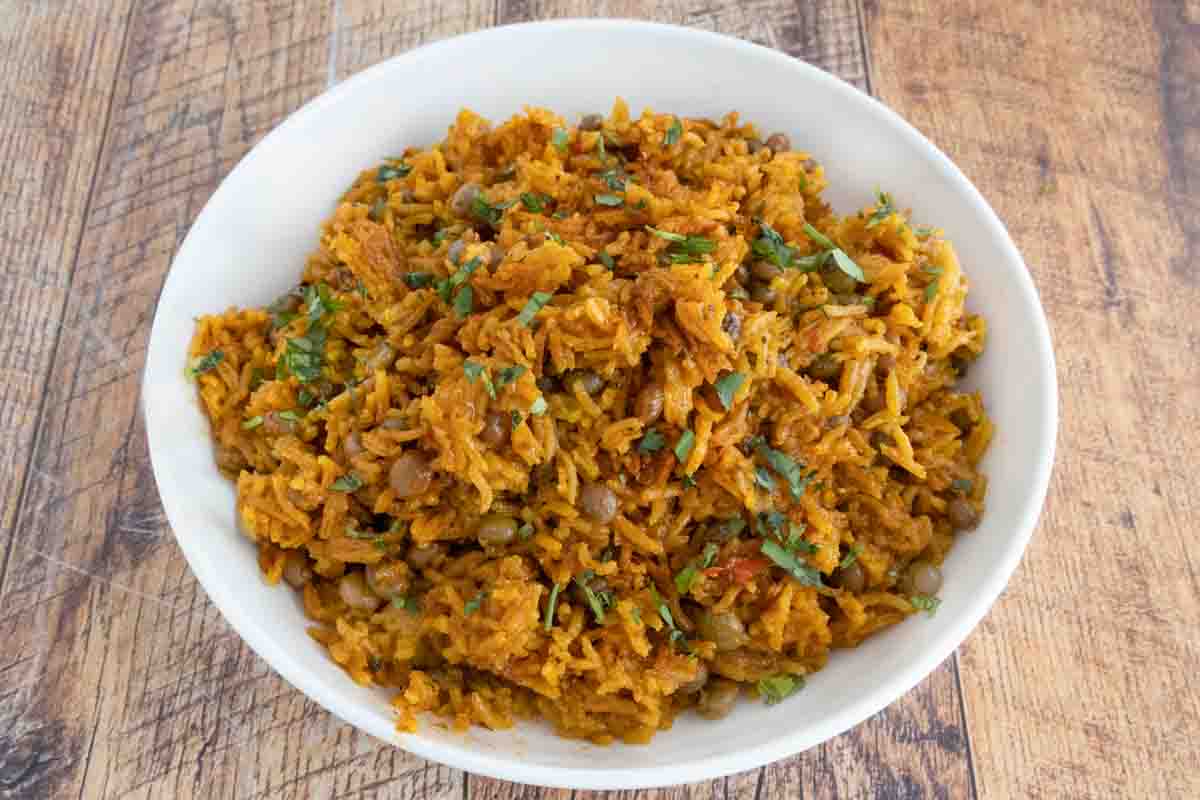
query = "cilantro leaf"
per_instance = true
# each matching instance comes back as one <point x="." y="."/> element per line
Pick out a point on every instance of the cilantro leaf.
<point x="778" y="688"/>
<point x="472" y="605"/>
<point x="350" y="482"/>
<point x="728" y="386"/>
<point x="883" y="209"/>
<point x="484" y="211"/>
<point x="406" y="603"/>
<point x="525" y="532"/>
<point x="687" y="576"/>
<point x="607" y="260"/>
<point x="551" y="605"/>
<point x="509" y="374"/>
<point x="252" y="423"/>
<point x="533" y="202"/>
<point x="652" y="441"/>
<point x="762" y="477"/>
<point x="304" y="355"/>
<point x="319" y="303"/>
<point x="926" y="603"/>
<point x="417" y="280"/>
<point x="962" y="485"/>
<point x="464" y="301"/>
<point x="788" y="469"/>
<point x="599" y="600"/>
<point x="683" y="447"/>
<point x="389" y="172"/>
<point x="476" y="372"/>
<point x="783" y="558"/>
<point x="850" y="558"/>
<point x="769" y="246"/>
<point x="204" y="363"/>
<point x="446" y="287"/>
<point x="673" y="133"/>
<point x="535" y="304"/>
<point x="664" y="612"/>
<point x="559" y="138"/>
<point x="684" y="249"/>
<point x="608" y="200"/>
<point x="843" y="261"/>
<point x="516" y="418"/>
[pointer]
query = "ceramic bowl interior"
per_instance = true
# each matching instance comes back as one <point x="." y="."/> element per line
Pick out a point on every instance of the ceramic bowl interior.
<point x="249" y="244"/>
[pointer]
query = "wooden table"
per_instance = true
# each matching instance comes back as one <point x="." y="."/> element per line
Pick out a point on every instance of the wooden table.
<point x="1079" y="121"/>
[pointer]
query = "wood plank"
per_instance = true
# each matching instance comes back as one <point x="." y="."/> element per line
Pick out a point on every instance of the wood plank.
<point x="1079" y="122"/>
<point x="125" y="681"/>
<point x="57" y="76"/>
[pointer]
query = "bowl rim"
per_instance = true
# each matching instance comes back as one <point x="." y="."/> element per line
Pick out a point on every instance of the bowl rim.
<point x="736" y="760"/>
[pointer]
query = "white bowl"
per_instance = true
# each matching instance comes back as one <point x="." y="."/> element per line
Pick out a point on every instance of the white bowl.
<point x="249" y="244"/>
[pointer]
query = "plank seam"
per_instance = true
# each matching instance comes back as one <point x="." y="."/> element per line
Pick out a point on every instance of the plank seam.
<point x="962" y="715"/>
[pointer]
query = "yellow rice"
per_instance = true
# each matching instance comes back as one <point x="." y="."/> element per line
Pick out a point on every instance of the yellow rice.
<point x="883" y="447"/>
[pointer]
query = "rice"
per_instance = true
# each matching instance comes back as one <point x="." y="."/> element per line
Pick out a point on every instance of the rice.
<point x="631" y="425"/>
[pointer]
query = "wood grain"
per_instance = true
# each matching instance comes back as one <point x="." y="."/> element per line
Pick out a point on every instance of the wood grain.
<point x="1080" y="123"/>
<point x="58" y="75"/>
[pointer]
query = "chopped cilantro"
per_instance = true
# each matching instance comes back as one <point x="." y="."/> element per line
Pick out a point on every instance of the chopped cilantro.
<point x="464" y="301"/>
<point x="288" y="416"/>
<point x="509" y="374"/>
<point x="548" y="621"/>
<point x="599" y="600"/>
<point x="664" y="613"/>
<point x="673" y="133"/>
<point x="350" y="482"/>
<point x="535" y="304"/>
<point x="883" y="209"/>
<point x="554" y="237"/>
<point x="769" y="246"/>
<point x="319" y="303"/>
<point x="843" y="261"/>
<point x="446" y="287"/>
<point x="923" y="232"/>
<point x="683" y="447"/>
<point x="476" y="372"/>
<point x="559" y="138"/>
<point x="850" y="558"/>
<point x="406" y="603"/>
<point x="204" y="363"/>
<point x="533" y="202"/>
<point x="651" y="442"/>
<point x="252" y="423"/>
<point x="525" y="532"/>
<point x="728" y="386"/>
<point x="472" y="605"/>
<point x="926" y="603"/>
<point x="440" y="236"/>
<point x="688" y="481"/>
<point x="303" y="355"/>
<point x="783" y="558"/>
<point x="762" y="477"/>
<point x="516" y="418"/>
<point x="962" y="485"/>
<point x="684" y="249"/>
<point x="484" y="211"/>
<point x="687" y="576"/>
<point x="608" y="200"/>
<point x="782" y="463"/>
<point x="417" y="280"/>
<point x="778" y="688"/>
<point x="614" y="179"/>
<point x="607" y="261"/>
<point x="378" y="206"/>
<point x="389" y="172"/>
